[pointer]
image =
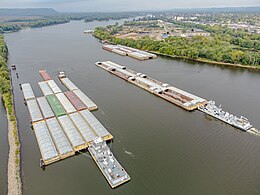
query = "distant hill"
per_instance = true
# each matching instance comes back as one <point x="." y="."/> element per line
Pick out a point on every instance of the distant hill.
<point x="28" y="12"/>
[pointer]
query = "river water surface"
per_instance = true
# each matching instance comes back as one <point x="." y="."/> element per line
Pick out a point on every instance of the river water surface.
<point x="165" y="149"/>
<point x="3" y="149"/>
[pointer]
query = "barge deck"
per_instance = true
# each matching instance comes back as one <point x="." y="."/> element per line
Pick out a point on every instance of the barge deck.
<point x="177" y="96"/>
<point x="172" y="94"/>
<point x="128" y="51"/>
<point x="73" y="88"/>
<point x="63" y="125"/>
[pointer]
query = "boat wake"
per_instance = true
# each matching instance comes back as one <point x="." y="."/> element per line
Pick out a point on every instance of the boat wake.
<point x="130" y="153"/>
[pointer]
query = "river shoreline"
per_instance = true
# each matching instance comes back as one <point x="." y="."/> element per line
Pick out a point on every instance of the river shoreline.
<point x="14" y="183"/>
<point x="208" y="61"/>
<point x="13" y="172"/>
<point x="14" y="186"/>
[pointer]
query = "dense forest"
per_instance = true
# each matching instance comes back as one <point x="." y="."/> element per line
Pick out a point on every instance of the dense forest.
<point x="224" y="45"/>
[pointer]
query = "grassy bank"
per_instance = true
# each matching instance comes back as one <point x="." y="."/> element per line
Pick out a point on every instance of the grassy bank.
<point x="14" y="180"/>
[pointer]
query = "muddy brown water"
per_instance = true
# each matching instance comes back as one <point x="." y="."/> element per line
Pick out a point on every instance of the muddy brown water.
<point x="165" y="149"/>
<point x="3" y="149"/>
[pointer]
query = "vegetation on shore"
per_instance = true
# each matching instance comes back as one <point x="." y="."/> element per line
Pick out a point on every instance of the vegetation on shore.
<point x="224" y="45"/>
<point x="14" y="20"/>
<point x="17" y="24"/>
<point x="7" y="96"/>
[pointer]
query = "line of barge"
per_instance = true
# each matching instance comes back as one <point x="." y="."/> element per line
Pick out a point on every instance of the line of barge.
<point x="172" y="94"/>
<point x="63" y="125"/>
<point x="177" y="96"/>
<point x="78" y="124"/>
<point x="128" y="51"/>
<point x="79" y="94"/>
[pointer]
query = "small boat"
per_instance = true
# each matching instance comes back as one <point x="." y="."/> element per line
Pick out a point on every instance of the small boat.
<point x="13" y="67"/>
<point x="88" y="31"/>
<point x="62" y="75"/>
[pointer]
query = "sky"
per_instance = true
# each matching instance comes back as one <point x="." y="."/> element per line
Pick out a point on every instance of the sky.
<point x="123" y="5"/>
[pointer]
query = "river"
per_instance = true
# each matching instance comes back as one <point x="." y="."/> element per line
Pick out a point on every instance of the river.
<point x="165" y="149"/>
<point x="3" y="149"/>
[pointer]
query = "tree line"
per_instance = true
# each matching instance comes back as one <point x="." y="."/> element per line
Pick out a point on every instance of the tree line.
<point x="4" y="73"/>
<point x="217" y="47"/>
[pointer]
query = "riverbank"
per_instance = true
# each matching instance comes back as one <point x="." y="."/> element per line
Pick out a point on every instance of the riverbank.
<point x="198" y="48"/>
<point x="195" y="60"/>
<point x="132" y="114"/>
<point x="13" y="171"/>
<point x="208" y="61"/>
<point x="13" y="167"/>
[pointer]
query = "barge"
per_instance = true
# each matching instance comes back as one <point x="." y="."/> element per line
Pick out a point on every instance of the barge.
<point x="55" y="105"/>
<point x="73" y="88"/>
<point x="114" y="173"/>
<point x="63" y="126"/>
<point x="59" y="138"/>
<point x="77" y="103"/>
<point x="28" y="93"/>
<point x="45" y="107"/>
<point x="47" y="147"/>
<point x="46" y="90"/>
<point x="34" y="110"/>
<point x="95" y="125"/>
<point x="54" y="87"/>
<point x="72" y="133"/>
<point x="67" y="105"/>
<point x="85" y="130"/>
<point x="44" y="74"/>
<point x="128" y="51"/>
<point x="172" y="94"/>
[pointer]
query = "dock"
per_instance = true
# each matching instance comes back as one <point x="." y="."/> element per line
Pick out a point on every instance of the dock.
<point x="165" y="91"/>
<point x="128" y="51"/>
<point x="63" y="124"/>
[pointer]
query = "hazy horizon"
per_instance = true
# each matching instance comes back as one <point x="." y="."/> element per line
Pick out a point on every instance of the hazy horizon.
<point x="124" y="5"/>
